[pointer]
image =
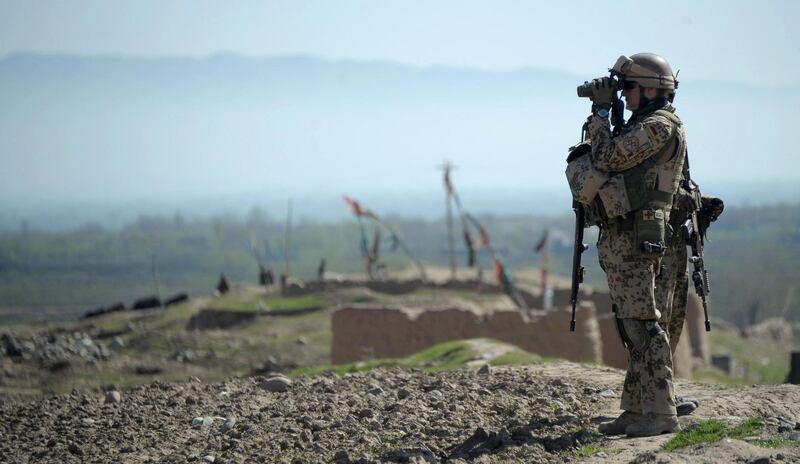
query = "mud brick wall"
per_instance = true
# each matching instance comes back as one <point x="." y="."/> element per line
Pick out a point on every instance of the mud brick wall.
<point x="362" y="332"/>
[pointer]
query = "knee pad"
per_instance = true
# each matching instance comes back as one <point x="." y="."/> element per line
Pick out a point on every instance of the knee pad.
<point x="636" y="334"/>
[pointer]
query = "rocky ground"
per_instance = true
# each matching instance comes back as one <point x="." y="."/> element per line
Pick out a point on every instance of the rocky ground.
<point x="535" y="413"/>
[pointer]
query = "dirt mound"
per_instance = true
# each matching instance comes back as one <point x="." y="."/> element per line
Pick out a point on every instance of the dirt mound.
<point x="213" y="319"/>
<point x="539" y="413"/>
<point x="775" y="329"/>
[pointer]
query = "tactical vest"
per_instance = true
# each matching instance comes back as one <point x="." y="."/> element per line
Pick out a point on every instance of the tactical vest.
<point x="627" y="191"/>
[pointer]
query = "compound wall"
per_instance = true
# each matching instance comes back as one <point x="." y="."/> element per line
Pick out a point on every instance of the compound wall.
<point x="364" y="332"/>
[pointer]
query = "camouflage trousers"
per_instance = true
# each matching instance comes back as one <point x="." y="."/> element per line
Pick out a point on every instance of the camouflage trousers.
<point x="672" y="289"/>
<point x="631" y="277"/>
<point x="648" y="384"/>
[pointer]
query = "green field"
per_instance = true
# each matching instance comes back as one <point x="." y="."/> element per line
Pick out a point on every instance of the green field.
<point x="752" y="255"/>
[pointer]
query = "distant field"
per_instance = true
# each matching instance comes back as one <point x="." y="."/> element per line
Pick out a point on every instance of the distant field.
<point x="752" y="255"/>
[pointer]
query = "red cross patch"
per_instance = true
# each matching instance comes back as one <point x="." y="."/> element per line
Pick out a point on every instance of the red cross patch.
<point x="648" y="215"/>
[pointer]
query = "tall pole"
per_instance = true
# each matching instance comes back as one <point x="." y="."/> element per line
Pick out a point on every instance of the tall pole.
<point x="448" y="190"/>
<point x="450" y="239"/>
<point x="287" y="241"/>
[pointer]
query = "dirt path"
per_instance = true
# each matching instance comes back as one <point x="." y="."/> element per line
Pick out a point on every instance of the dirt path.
<point x="731" y="405"/>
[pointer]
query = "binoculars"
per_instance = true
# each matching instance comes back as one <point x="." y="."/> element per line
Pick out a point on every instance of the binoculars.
<point x="586" y="90"/>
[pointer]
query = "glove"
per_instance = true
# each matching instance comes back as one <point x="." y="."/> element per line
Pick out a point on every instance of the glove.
<point x="711" y="207"/>
<point x="602" y="91"/>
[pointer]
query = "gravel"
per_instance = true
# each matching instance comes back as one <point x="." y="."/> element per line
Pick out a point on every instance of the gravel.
<point x="508" y="416"/>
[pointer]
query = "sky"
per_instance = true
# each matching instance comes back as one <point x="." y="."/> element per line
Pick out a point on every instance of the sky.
<point x="740" y="44"/>
<point x="742" y="41"/>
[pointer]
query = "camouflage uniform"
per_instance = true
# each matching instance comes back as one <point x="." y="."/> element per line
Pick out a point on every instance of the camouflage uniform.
<point x="631" y="274"/>
<point x="672" y="285"/>
<point x="672" y="288"/>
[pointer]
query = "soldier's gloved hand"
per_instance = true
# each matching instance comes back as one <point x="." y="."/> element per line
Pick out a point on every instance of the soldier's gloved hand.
<point x="602" y="91"/>
<point x="711" y="207"/>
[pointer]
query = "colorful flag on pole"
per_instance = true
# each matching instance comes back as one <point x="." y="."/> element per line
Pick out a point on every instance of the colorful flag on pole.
<point x="470" y="248"/>
<point x="542" y="242"/>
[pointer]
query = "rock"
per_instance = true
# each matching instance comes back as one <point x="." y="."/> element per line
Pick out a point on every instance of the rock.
<point x="485" y="370"/>
<point x="227" y="425"/>
<point x="198" y="422"/>
<point x="341" y="456"/>
<point x="75" y="449"/>
<point x="87" y="422"/>
<point x="376" y="391"/>
<point x="784" y="428"/>
<point x="795" y="436"/>
<point x="558" y="406"/>
<point x="209" y="458"/>
<point x="276" y="384"/>
<point x="117" y="342"/>
<point x="559" y="443"/>
<point x="607" y="393"/>
<point x="436" y="395"/>
<point x="148" y="370"/>
<point x="10" y="346"/>
<point x="366" y="413"/>
<point x="318" y="425"/>
<point x="402" y="393"/>
<point x="113" y="396"/>
<point x="760" y="460"/>
<point x="301" y="341"/>
<point x="568" y="419"/>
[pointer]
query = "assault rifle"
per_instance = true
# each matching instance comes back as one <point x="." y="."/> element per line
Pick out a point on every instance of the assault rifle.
<point x="694" y="233"/>
<point x="578" y="248"/>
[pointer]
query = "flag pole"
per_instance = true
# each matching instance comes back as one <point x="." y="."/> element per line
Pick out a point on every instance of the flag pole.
<point x="449" y="194"/>
<point x="287" y="240"/>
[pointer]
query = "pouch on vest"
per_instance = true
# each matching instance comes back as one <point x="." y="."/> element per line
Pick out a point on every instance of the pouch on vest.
<point x="614" y="196"/>
<point x="649" y="232"/>
<point x="584" y="180"/>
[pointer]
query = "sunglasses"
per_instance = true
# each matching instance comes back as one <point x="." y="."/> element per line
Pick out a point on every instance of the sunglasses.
<point x="629" y="85"/>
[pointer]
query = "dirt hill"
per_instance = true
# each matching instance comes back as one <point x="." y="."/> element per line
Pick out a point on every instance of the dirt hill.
<point x="198" y="382"/>
<point x="541" y="412"/>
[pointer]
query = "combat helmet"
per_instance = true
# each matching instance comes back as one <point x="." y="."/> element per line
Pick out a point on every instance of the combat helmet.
<point x="647" y="70"/>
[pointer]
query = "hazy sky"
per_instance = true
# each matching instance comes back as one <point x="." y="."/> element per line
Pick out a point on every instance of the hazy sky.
<point x="744" y="41"/>
<point x="56" y="151"/>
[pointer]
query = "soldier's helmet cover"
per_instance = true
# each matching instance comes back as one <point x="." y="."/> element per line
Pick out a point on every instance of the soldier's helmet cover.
<point x="647" y="70"/>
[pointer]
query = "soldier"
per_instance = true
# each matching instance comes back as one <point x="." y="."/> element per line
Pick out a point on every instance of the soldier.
<point x="643" y="160"/>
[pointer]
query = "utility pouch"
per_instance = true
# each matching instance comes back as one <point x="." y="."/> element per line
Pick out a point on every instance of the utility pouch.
<point x="584" y="180"/>
<point x="614" y="196"/>
<point x="649" y="231"/>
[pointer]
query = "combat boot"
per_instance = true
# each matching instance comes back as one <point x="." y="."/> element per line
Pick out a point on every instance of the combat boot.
<point x="618" y="425"/>
<point x="653" y="424"/>
<point x="685" y="406"/>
